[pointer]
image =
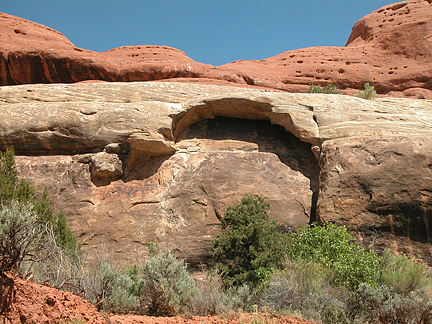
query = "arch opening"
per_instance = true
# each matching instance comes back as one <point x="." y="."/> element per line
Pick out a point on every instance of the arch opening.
<point x="281" y="157"/>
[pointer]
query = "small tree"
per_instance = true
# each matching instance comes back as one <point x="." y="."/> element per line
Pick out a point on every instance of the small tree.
<point x="13" y="190"/>
<point x="8" y="176"/>
<point x="252" y="247"/>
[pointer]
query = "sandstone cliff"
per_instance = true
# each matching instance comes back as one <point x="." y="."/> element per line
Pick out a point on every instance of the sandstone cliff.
<point x="133" y="162"/>
<point x="152" y="161"/>
<point x="390" y="48"/>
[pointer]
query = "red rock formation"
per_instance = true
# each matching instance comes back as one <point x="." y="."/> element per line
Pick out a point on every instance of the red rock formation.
<point x="390" y="48"/>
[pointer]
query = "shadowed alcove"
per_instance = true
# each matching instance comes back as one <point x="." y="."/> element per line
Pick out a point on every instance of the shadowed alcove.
<point x="235" y="135"/>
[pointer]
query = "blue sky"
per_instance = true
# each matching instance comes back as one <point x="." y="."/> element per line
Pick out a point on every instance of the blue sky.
<point x="214" y="32"/>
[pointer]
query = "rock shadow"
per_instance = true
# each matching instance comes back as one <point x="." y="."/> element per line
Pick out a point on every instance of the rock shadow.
<point x="259" y="136"/>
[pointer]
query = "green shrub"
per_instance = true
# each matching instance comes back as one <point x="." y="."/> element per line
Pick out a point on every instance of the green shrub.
<point x="99" y="283"/>
<point x="65" y="238"/>
<point x="14" y="190"/>
<point x="334" y="248"/>
<point x="367" y="93"/>
<point x="304" y="287"/>
<point x="402" y="274"/>
<point x="384" y="304"/>
<point x="251" y="247"/>
<point x="330" y="89"/>
<point x="167" y="288"/>
<point x="122" y="299"/>
<point x="327" y="89"/>
<point x="210" y="297"/>
<point x="20" y="235"/>
<point x="8" y="176"/>
<point x="110" y="289"/>
<point x="214" y="298"/>
<point x="315" y="89"/>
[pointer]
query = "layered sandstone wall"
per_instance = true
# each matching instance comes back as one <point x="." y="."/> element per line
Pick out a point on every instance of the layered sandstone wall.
<point x="137" y="162"/>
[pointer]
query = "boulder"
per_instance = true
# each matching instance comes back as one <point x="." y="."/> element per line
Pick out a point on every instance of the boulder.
<point x="105" y="166"/>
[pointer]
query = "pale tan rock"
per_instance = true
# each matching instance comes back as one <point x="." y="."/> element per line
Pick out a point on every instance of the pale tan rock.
<point x="150" y="143"/>
<point x="67" y="123"/>
<point x="106" y="166"/>
<point x="188" y="151"/>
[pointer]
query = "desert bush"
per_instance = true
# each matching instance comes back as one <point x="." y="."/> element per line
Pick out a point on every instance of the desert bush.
<point x="304" y="287"/>
<point x="367" y="93"/>
<point x="167" y="288"/>
<point x="46" y="247"/>
<point x="251" y="247"/>
<point x="333" y="247"/>
<point x="214" y="298"/>
<point x="28" y="246"/>
<point x="403" y="274"/>
<point x="314" y="89"/>
<point x="210" y="296"/>
<point x="13" y="190"/>
<point x="122" y="299"/>
<point x="20" y="236"/>
<point x="110" y="289"/>
<point x="382" y="303"/>
<point x="327" y="89"/>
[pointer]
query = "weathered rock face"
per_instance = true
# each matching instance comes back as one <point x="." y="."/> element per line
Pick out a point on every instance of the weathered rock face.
<point x="161" y="162"/>
<point x="381" y="186"/>
<point x="390" y="48"/>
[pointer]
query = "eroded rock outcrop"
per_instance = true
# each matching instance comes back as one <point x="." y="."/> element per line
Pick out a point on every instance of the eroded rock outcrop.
<point x="174" y="156"/>
<point x="390" y="48"/>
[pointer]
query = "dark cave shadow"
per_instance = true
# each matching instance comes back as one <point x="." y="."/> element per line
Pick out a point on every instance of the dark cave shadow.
<point x="269" y="138"/>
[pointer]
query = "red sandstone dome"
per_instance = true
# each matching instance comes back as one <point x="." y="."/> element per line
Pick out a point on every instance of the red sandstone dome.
<point x="391" y="48"/>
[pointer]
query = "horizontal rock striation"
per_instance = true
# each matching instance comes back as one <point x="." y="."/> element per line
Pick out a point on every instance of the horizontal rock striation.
<point x="160" y="161"/>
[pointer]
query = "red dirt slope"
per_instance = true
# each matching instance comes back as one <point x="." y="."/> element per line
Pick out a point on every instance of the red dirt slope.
<point x="27" y="302"/>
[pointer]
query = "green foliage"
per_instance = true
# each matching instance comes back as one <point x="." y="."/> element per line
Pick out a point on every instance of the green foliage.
<point x="110" y="289"/>
<point x="315" y="89"/>
<point x="44" y="209"/>
<point x="334" y="248"/>
<point x="251" y="247"/>
<point x="137" y="281"/>
<point x="167" y="288"/>
<point x="388" y="306"/>
<point x="367" y="93"/>
<point x="402" y="274"/>
<point x="25" y="192"/>
<point x="21" y="191"/>
<point x="64" y="236"/>
<point x="214" y="298"/>
<point x="8" y="176"/>
<point x="327" y="89"/>
<point x="305" y="288"/>
<point x="107" y="288"/>
<point x="121" y="299"/>
<point x="20" y="235"/>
